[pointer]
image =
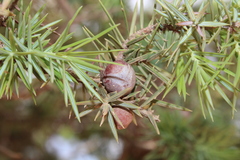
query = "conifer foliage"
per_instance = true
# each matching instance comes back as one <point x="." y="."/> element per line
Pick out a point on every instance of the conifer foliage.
<point x="168" y="53"/>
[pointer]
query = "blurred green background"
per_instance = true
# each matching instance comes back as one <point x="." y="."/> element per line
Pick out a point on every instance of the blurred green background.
<point x="46" y="131"/>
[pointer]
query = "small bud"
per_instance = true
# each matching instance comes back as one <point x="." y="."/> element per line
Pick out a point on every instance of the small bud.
<point x="119" y="77"/>
<point x="124" y="115"/>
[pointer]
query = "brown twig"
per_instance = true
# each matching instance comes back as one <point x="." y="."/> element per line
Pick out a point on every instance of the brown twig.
<point x="55" y="32"/>
<point x="13" y="5"/>
<point x="144" y="31"/>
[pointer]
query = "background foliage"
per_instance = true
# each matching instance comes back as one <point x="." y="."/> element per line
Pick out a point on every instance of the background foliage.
<point x="170" y="52"/>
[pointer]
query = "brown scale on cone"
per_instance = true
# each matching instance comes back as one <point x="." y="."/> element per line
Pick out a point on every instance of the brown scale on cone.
<point x="124" y="115"/>
<point x="119" y="77"/>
